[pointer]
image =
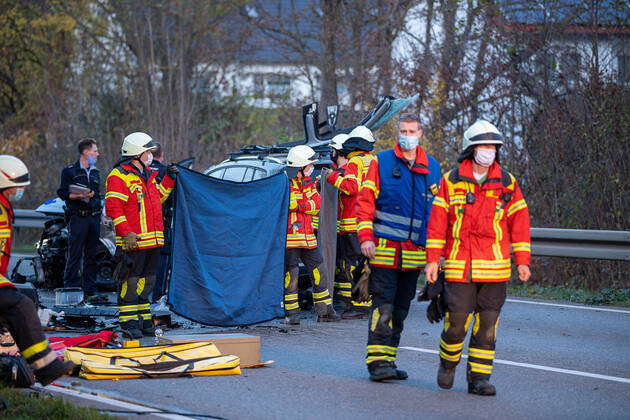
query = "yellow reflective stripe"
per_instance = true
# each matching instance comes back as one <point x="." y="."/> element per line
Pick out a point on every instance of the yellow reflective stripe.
<point x="502" y="263"/>
<point x="321" y="295"/>
<point x="119" y="220"/>
<point x="129" y="308"/>
<point x="143" y="214"/>
<point x="113" y="194"/>
<point x="440" y="202"/>
<point x="498" y="234"/>
<point x="459" y="215"/>
<point x="375" y="315"/>
<point x="34" y="349"/>
<point x="369" y="185"/>
<point x="476" y="324"/>
<point x="127" y="317"/>
<point x="519" y="205"/>
<point x="481" y="368"/>
<point x="140" y="285"/>
<point x="317" y="278"/>
<point x="451" y="347"/>
<point x="375" y="358"/>
<point x="373" y="348"/>
<point x="522" y="246"/>
<point x="472" y="353"/>
<point x="435" y="243"/>
<point x="366" y="224"/>
<point x="292" y="296"/>
<point x="450" y="357"/>
<point x="291" y="306"/>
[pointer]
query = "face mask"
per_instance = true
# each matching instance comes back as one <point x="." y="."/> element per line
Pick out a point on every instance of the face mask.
<point x="408" y="142"/>
<point x="91" y="161"/>
<point x="485" y="157"/>
<point x="308" y="171"/>
<point x="149" y="159"/>
<point x="18" y="195"/>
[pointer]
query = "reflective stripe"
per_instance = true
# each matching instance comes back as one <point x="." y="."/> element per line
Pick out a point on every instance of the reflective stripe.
<point x="519" y="205"/>
<point x="478" y="367"/>
<point x="399" y="233"/>
<point x="113" y="194"/>
<point x="395" y="218"/>
<point x="450" y="357"/>
<point x="291" y="306"/>
<point x="372" y="348"/>
<point x="321" y="295"/>
<point x="451" y="347"/>
<point x="119" y="220"/>
<point x="44" y="361"/>
<point x="375" y="358"/>
<point x="522" y="246"/>
<point x="34" y="349"/>
<point x="439" y="201"/>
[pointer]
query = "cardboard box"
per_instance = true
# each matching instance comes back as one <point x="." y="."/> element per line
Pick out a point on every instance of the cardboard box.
<point x="245" y="346"/>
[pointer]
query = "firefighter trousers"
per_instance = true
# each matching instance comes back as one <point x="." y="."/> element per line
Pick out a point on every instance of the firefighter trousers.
<point x="135" y="285"/>
<point x="392" y="291"/>
<point x="348" y="260"/>
<point x="20" y="317"/>
<point x="479" y="303"/>
<point x="312" y="259"/>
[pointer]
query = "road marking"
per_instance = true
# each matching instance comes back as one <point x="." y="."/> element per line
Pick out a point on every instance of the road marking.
<point x="539" y="367"/>
<point x="63" y="389"/>
<point x="588" y="308"/>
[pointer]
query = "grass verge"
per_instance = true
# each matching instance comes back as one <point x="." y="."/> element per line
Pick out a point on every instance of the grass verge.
<point x="607" y="296"/>
<point x="36" y="406"/>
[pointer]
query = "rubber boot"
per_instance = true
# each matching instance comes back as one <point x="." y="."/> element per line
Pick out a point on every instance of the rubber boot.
<point x="445" y="377"/>
<point x="292" y="318"/>
<point x="353" y="314"/>
<point x="148" y="329"/>
<point x="481" y="386"/>
<point x="53" y="370"/>
<point x="132" y="327"/>
<point x="329" y="316"/>
<point x="400" y="374"/>
<point x="381" y="370"/>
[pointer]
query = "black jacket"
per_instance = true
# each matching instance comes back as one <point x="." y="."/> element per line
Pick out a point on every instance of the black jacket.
<point x="75" y="174"/>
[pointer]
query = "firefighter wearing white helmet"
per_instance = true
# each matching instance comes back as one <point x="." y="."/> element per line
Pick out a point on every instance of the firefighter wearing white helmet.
<point x="17" y="310"/>
<point x="478" y="220"/>
<point x="304" y="204"/>
<point x="134" y="203"/>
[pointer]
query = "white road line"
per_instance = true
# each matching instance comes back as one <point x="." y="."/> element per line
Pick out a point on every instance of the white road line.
<point x="588" y="308"/>
<point x="539" y="367"/>
<point x="62" y="389"/>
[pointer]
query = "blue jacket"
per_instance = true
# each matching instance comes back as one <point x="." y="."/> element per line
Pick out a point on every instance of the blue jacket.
<point x="75" y="174"/>
<point x="405" y="196"/>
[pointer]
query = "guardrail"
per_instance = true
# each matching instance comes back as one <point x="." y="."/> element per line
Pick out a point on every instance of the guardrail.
<point x="572" y="243"/>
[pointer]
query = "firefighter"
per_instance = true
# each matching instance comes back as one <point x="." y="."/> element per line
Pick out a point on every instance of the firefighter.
<point x="83" y="213"/>
<point x="17" y="310"/>
<point x="478" y="214"/>
<point x="301" y="241"/>
<point x="346" y="177"/>
<point x="392" y="211"/>
<point x="134" y="202"/>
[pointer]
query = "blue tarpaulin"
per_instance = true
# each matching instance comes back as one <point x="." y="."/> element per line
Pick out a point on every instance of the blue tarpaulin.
<point x="228" y="249"/>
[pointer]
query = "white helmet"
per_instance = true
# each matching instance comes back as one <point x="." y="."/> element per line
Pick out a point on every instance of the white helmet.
<point x="300" y="156"/>
<point x="337" y="141"/>
<point x="136" y="144"/>
<point x="362" y="132"/>
<point x="13" y="172"/>
<point x="481" y="132"/>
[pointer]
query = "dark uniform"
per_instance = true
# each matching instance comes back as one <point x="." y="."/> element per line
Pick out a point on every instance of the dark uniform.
<point x="84" y="226"/>
<point x="165" y="251"/>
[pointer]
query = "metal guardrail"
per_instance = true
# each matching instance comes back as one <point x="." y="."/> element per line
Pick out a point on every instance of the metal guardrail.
<point x="572" y="243"/>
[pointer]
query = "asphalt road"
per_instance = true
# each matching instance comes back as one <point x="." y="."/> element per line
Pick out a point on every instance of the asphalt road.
<point x="319" y="373"/>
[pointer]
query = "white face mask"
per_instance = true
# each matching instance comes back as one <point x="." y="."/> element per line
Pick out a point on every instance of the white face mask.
<point x="408" y="142"/>
<point x="308" y="170"/>
<point x="18" y="195"/>
<point x="485" y="157"/>
<point x="149" y="159"/>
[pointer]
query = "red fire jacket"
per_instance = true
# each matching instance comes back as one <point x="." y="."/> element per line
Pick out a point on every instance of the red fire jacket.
<point x="304" y="203"/>
<point x="479" y="235"/>
<point x="134" y="203"/>
<point x="6" y="235"/>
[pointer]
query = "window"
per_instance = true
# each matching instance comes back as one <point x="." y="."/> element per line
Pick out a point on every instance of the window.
<point x="278" y="85"/>
<point x="259" y="85"/>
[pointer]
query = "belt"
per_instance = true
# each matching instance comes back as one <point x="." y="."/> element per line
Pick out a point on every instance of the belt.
<point x="84" y="213"/>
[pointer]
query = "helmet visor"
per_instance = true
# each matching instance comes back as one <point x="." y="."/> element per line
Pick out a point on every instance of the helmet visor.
<point x="20" y="179"/>
<point x="486" y="137"/>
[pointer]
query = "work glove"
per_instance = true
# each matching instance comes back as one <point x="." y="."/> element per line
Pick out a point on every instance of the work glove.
<point x="172" y="170"/>
<point x="436" y="309"/>
<point x="360" y="290"/>
<point x="130" y="241"/>
<point x="435" y="293"/>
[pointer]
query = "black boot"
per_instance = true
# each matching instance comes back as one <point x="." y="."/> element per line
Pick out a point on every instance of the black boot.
<point x="329" y="316"/>
<point x="148" y="329"/>
<point x="445" y="377"/>
<point x="132" y="327"/>
<point x="53" y="370"/>
<point x="400" y="374"/>
<point x="481" y="386"/>
<point x="353" y="314"/>
<point x="381" y="370"/>
<point x="292" y="318"/>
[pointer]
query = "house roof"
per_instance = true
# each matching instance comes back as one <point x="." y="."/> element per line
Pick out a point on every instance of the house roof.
<point x="575" y="16"/>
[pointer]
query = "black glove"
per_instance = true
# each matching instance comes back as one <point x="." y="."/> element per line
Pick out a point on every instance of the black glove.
<point x="436" y="309"/>
<point x="172" y="170"/>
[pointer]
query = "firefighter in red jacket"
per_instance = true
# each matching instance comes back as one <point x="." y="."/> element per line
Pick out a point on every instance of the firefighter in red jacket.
<point x="477" y="216"/>
<point x="349" y="172"/>
<point x="301" y="241"/>
<point x="17" y="310"/>
<point x="134" y="203"/>
<point x="392" y="210"/>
